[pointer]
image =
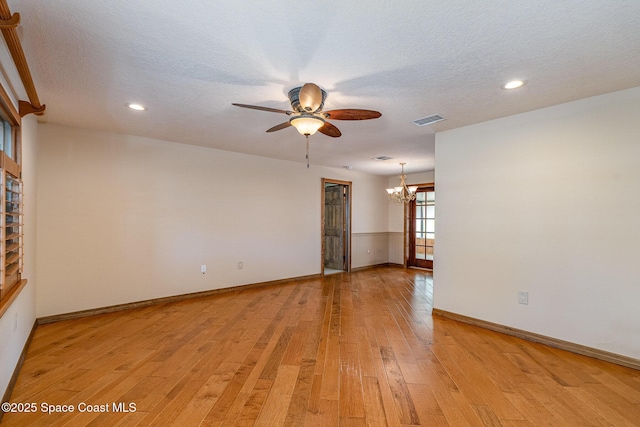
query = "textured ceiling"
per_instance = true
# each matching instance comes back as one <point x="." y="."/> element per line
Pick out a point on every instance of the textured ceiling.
<point x="188" y="60"/>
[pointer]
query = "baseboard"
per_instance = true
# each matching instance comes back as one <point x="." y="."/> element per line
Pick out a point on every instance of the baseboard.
<point x="369" y="267"/>
<point x="606" y="356"/>
<point x="7" y="393"/>
<point x="173" y="298"/>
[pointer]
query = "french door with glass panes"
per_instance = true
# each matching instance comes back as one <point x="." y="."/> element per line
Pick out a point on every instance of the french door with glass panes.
<point x="422" y="228"/>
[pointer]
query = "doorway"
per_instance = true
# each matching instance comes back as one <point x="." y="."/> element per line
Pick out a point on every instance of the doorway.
<point x="336" y="226"/>
<point x="422" y="227"/>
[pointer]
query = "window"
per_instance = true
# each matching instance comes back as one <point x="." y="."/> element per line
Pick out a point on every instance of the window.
<point x="11" y="218"/>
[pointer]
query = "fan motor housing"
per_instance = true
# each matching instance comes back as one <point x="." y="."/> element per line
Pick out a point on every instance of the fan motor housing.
<point x="294" y="98"/>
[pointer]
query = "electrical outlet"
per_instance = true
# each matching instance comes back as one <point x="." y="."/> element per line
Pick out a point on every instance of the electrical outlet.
<point x="240" y="265"/>
<point x="203" y="268"/>
<point x="523" y="297"/>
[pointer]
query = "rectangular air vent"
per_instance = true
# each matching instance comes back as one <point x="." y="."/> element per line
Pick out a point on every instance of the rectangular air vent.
<point x="428" y="120"/>
<point x="382" y="158"/>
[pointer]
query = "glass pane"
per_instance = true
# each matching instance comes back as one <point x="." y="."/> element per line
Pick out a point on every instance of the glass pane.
<point x="420" y="225"/>
<point x="421" y="211"/>
<point x="420" y="197"/>
<point x="431" y="212"/>
<point x="8" y="143"/>
<point x="431" y="236"/>
<point x="431" y="196"/>
<point x="420" y="238"/>
<point x="431" y="225"/>
<point x="421" y="255"/>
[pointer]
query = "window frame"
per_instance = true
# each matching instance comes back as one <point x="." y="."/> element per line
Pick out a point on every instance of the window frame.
<point x="11" y="165"/>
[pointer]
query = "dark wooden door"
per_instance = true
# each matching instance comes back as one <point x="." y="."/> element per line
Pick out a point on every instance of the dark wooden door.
<point x="422" y="228"/>
<point x="334" y="227"/>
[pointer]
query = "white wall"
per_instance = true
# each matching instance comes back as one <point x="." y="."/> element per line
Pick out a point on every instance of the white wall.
<point x="124" y="218"/>
<point x="546" y="202"/>
<point x="18" y="320"/>
<point x="369" y="249"/>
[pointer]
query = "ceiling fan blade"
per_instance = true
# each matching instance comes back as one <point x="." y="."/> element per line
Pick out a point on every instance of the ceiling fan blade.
<point x="279" y="127"/>
<point x="330" y="130"/>
<point x="310" y="97"/>
<point x="352" y="114"/>
<point x="257" y="107"/>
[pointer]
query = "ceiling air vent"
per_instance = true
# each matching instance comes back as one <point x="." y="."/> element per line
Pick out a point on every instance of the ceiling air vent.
<point x="428" y="120"/>
<point x="382" y="158"/>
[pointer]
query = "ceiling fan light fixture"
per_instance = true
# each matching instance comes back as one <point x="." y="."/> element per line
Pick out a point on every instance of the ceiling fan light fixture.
<point x="307" y="124"/>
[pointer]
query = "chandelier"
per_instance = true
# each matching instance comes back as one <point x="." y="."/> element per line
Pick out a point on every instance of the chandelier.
<point x="402" y="194"/>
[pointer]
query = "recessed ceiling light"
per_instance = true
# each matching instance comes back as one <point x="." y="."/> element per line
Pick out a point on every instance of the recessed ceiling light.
<point x="382" y="158"/>
<point x="514" y="84"/>
<point x="137" y="107"/>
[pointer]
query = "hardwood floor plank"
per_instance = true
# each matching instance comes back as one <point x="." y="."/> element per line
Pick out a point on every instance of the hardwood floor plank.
<point x="374" y="407"/>
<point x="275" y="407"/>
<point x="327" y="415"/>
<point x="206" y="396"/>
<point x="427" y="407"/>
<point x="327" y="292"/>
<point x="487" y="415"/>
<point x="315" y="396"/>
<point x="248" y="389"/>
<point x="331" y="372"/>
<point x="350" y="398"/>
<point x="399" y="390"/>
<point x="468" y="374"/>
<point x="359" y="349"/>
<point x="270" y="370"/>
<point x="456" y="409"/>
<point x="618" y="381"/>
<point x="367" y="365"/>
<point x="532" y="409"/>
<point x="295" y="349"/>
<point x="550" y="394"/>
<point x="335" y="320"/>
<point x="231" y="392"/>
<point x="391" y="412"/>
<point x="613" y="412"/>
<point x="300" y="397"/>
<point x="253" y="405"/>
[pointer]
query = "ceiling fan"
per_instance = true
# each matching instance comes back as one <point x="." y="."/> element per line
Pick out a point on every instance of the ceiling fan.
<point x="307" y="115"/>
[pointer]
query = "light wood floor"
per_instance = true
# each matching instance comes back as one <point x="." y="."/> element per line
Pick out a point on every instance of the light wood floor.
<point x="349" y="350"/>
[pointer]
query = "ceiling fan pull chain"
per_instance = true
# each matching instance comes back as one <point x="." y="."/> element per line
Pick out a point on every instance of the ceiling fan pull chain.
<point x="307" y="151"/>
